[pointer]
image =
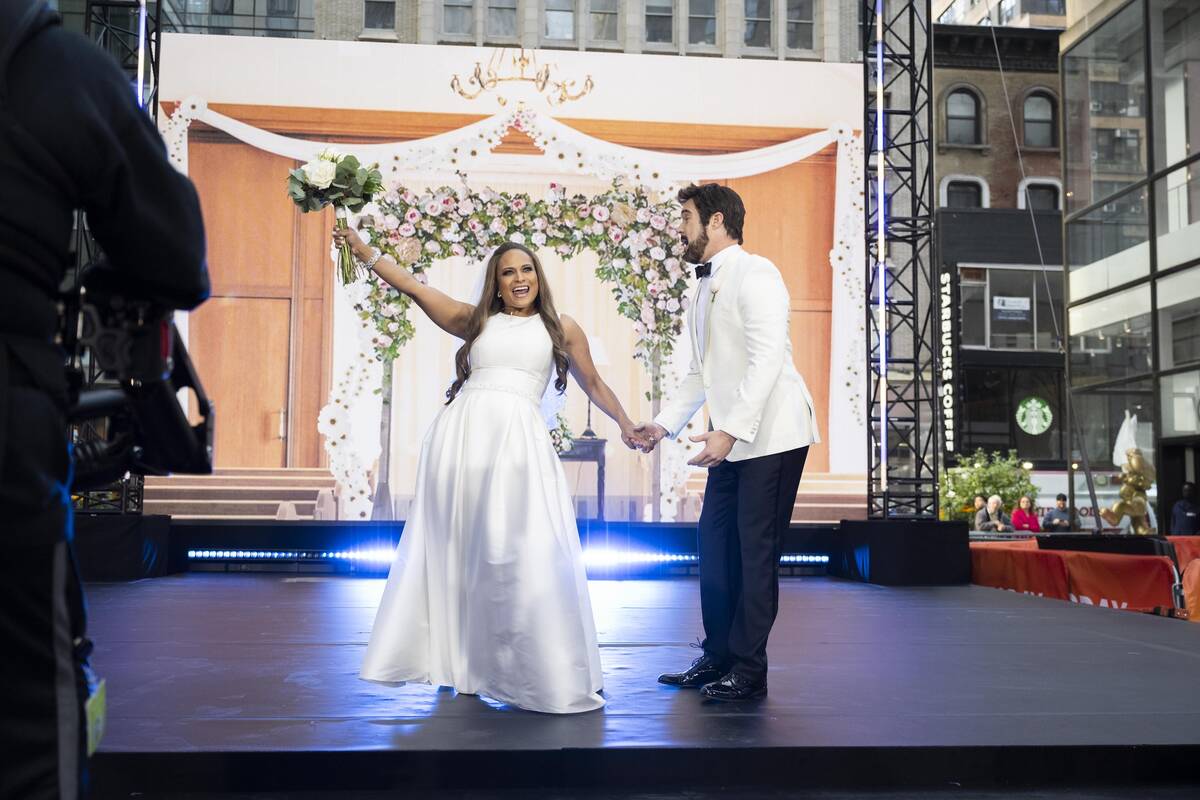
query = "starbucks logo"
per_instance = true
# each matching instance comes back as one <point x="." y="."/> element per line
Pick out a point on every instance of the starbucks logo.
<point x="1034" y="416"/>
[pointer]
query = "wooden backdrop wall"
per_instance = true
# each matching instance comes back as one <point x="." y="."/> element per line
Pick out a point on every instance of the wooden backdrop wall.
<point x="263" y="342"/>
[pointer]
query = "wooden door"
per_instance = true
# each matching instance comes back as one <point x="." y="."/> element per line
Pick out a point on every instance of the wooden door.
<point x="261" y="344"/>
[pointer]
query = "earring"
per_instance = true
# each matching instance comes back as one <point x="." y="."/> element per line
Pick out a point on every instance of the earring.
<point x="498" y="294"/>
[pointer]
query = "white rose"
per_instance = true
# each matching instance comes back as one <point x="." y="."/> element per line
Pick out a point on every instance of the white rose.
<point x="319" y="174"/>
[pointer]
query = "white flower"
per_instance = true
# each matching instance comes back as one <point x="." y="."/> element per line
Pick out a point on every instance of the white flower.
<point x="657" y="253"/>
<point x="466" y="207"/>
<point x="658" y="222"/>
<point x="596" y="229"/>
<point x="389" y="310"/>
<point x="672" y="305"/>
<point x="412" y="215"/>
<point x="333" y="420"/>
<point x="406" y="230"/>
<point x="393" y="327"/>
<point x="319" y="174"/>
<point x="517" y="237"/>
<point x="652" y="275"/>
<point x="391" y="222"/>
<point x="539" y="238"/>
<point x="458" y="250"/>
<point x="432" y="247"/>
<point x="539" y="224"/>
<point x="382" y="340"/>
<point x="498" y="226"/>
<point x="648" y="315"/>
<point x="433" y="208"/>
<point x="643" y="215"/>
<point x="600" y="213"/>
<point x="427" y="225"/>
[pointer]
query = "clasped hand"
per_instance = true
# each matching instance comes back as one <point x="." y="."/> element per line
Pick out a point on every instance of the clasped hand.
<point x="645" y="436"/>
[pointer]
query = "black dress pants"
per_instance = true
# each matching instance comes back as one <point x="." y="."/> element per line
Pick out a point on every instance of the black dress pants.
<point x="747" y="508"/>
<point x="43" y="732"/>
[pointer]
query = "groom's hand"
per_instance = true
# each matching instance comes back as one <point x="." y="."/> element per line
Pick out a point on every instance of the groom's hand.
<point x="652" y="433"/>
<point x="717" y="445"/>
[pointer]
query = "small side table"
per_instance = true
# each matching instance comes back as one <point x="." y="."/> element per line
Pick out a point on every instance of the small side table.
<point x="590" y="448"/>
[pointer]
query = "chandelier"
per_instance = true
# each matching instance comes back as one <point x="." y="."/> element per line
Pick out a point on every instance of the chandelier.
<point x="509" y="65"/>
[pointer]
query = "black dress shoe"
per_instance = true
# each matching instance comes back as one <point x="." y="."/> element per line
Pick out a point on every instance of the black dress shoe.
<point x="733" y="688"/>
<point x="704" y="669"/>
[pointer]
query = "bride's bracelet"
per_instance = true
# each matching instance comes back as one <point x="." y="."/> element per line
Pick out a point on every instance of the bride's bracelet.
<point x="370" y="263"/>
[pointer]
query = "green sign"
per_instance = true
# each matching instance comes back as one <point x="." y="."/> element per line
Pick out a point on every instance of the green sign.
<point x="1034" y="416"/>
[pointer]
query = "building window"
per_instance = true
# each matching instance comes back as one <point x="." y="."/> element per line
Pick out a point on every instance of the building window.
<point x="1179" y="319"/>
<point x="800" y="24"/>
<point x="379" y="16"/>
<point x="758" y="23"/>
<point x="962" y="117"/>
<point x="1039" y="120"/>
<point x="560" y="19"/>
<point x="1110" y="337"/>
<point x="1007" y="308"/>
<point x="222" y="6"/>
<point x="282" y="8"/>
<point x="604" y="20"/>
<point x="1006" y="11"/>
<point x="660" y="21"/>
<point x="702" y="22"/>
<point x="502" y="18"/>
<point x="1174" y="57"/>
<point x="1040" y="195"/>
<point x="458" y="17"/>
<point x="964" y="194"/>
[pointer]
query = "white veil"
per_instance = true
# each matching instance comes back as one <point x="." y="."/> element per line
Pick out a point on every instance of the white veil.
<point x="553" y="402"/>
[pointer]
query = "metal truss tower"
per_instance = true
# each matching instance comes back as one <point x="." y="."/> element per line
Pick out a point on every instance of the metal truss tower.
<point x="130" y="31"/>
<point x="902" y="344"/>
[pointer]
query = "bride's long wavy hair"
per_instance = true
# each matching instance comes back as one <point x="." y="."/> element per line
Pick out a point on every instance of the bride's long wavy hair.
<point x="490" y="303"/>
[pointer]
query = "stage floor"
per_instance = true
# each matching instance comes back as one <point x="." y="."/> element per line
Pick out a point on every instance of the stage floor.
<point x="916" y="682"/>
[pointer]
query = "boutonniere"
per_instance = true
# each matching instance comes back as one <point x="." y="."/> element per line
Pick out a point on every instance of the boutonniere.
<point x="714" y="286"/>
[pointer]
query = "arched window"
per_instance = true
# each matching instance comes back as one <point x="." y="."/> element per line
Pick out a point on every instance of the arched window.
<point x="962" y="117"/>
<point x="964" y="194"/>
<point x="1039" y="120"/>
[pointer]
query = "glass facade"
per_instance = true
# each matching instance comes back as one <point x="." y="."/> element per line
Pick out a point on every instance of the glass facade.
<point x="1131" y="89"/>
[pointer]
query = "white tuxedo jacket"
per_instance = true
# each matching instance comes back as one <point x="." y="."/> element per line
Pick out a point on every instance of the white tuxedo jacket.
<point x="746" y="373"/>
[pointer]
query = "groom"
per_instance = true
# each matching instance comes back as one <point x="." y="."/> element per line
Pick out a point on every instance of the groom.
<point x="761" y="424"/>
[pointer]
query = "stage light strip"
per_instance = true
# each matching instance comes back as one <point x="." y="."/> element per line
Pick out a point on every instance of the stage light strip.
<point x="592" y="557"/>
<point x="881" y="243"/>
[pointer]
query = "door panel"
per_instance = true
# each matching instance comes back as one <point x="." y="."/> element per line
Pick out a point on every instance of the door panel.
<point x="240" y="348"/>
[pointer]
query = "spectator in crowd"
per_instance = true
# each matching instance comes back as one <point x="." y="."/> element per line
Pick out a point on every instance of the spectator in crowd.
<point x="1024" y="518"/>
<point x="1057" y="519"/>
<point x="992" y="518"/>
<point x="980" y="503"/>
<point x="1185" y="514"/>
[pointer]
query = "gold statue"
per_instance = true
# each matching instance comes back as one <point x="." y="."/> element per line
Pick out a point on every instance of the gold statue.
<point x="1137" y="475"/>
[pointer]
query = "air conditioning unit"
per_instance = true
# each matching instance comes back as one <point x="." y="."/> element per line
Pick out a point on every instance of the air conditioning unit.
<point x="1097" y="106"/>
<point x="1120" y="133"/>
<point x="1095" y="156"/>
<point x="1109" y="208"/>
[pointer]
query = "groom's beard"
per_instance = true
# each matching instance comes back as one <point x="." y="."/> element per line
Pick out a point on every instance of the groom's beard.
<point x="695" y="249"/>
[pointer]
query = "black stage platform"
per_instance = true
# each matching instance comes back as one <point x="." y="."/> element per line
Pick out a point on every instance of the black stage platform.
<point x="227" y="682"/>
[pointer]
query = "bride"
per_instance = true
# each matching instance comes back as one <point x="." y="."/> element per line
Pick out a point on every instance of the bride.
<point x="487" y="592"/>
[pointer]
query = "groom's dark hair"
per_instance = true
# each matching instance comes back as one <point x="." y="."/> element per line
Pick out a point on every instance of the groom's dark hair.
<point x="713" y="197"/>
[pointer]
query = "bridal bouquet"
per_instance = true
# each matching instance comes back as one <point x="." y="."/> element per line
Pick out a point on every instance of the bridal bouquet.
<point x="338" y="180"/>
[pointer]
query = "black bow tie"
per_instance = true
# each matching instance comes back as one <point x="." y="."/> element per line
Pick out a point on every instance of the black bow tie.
<point x="704" y="270"/>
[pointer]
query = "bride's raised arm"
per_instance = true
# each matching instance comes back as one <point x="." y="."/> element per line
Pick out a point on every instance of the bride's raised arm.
<point x="447" y="313"/>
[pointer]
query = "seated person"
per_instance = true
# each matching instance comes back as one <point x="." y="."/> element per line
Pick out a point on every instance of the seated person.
<point x="992" y="518"/>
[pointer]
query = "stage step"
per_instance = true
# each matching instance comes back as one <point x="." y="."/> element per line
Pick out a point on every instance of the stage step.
<point x="222" y="507"/>
<point x="250" y="493"/>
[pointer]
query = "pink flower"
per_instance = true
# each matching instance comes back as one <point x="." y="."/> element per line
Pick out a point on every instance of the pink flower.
<point x="474" y="225"/>
<point x="684" y="303"/>
<point x="433" y="208"/>
<point x="412" y="215"/>
<point x="448" y="202"/>
<point x="600" y="213"/>
<point x="407" y="229"/>
<point x="648" y="315"/>
<point x="584" y="211"/>
<point x="658" y="222"/>
<point x="518" y="203"/>
<point x="409" y="198"/>
<point x="458" y="250"/>
<point x="616" y="234"/>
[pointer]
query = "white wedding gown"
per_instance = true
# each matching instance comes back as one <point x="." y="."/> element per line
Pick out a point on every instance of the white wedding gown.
<point x="487" y="592"/>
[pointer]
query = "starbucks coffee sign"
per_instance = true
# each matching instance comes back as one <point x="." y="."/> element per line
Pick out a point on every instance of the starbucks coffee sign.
<point x="1034" y="416"/>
